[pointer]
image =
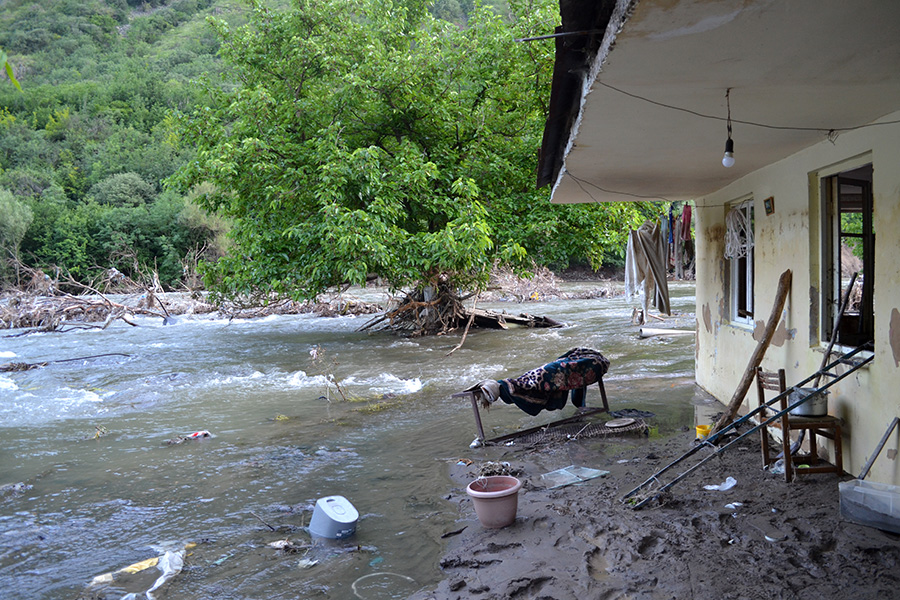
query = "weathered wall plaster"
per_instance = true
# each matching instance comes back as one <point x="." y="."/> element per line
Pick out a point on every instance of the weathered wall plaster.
<point x="790" y="238"/>
<point x="782" y="333"/>
<point x="895" y="336"/>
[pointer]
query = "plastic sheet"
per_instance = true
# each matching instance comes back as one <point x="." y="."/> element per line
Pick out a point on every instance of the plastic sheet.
<point x="170" y="564"/>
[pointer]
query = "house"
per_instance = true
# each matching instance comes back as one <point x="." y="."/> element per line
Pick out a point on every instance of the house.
<point x="806" y="94"/>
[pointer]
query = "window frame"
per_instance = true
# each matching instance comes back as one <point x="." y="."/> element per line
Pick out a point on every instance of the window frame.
<point x="741" y="270"/>
<point x="832" y="278"/>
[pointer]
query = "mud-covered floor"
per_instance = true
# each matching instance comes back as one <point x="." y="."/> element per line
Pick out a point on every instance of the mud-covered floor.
<point x="764" y="538"/>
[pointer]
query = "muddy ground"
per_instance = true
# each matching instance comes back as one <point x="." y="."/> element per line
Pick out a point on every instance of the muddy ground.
<point x="784" y="540"/>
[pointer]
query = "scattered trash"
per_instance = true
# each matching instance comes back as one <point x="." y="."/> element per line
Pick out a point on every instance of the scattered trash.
<point x="288" y="546"/>
<point x="14" y="489"/>
<point x="497" y="468"/>
<point x="631" y="412"/>
<point x="476" y="443"/>
<point x="734" y="505"/>
<point x="222" y="559"/>
<point x="180" y="439"/>
<point x="376" y="561"/>
<point x="465" y="462"/>
<point x="569" y="475"/>
<point x="703" y="431"/>
<point x="769" y="531"/>
<point x="171" y="563"/>
<point x="729" y="483"/>
<point x="305" y="563"/>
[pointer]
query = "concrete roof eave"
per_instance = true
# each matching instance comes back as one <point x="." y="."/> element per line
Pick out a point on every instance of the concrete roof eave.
<point x="649" y="123"/>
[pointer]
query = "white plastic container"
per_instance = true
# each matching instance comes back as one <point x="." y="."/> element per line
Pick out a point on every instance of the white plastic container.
<point x="334" y="517"/>
<point x="871" y="504"/>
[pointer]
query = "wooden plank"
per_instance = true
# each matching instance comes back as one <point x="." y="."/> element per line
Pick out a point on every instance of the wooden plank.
<point x="784" y="286"/>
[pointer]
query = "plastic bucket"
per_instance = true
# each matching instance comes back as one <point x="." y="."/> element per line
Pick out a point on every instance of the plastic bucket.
<point x="334" y="517"/>
<point x="496" y="499"/>
<point x="703" y="431"/>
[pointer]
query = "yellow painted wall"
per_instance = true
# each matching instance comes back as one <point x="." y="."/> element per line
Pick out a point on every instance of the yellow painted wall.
<point x="867" y="400"/>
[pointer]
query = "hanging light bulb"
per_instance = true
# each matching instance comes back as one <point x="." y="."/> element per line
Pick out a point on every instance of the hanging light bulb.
<point x="728" y="158"/>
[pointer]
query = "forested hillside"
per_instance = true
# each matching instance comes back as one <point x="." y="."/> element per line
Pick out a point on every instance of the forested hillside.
<point x="87" y="146"/>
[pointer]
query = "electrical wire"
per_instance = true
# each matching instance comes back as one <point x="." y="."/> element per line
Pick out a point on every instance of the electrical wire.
<point x="830" y="132"/>
<point x="579" y="182"/>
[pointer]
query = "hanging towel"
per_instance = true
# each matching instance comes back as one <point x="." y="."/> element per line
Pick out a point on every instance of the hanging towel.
<point x="686" y="223"/>
<point x="650" y="250"/>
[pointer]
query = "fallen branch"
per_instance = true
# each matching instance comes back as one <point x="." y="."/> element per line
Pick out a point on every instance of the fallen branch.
<point x="466" y="332"/>
<point x="261" y="521"/>
<point x="29" y="366"/>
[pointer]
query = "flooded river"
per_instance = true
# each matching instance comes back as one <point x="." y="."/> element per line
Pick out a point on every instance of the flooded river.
<point x="97" y="487"/>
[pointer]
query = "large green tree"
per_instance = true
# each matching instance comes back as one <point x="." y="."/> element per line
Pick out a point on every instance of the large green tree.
<point x="364" y="138"/>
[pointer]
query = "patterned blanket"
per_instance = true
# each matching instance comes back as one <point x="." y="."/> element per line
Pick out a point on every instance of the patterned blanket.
<point x="548" y="387"/>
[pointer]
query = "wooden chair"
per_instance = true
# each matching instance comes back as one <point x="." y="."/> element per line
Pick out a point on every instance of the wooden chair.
<point x="827" y="426"/>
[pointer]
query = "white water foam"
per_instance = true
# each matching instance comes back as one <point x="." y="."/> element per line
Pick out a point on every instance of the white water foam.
<point x="28" y="408"/>
<point x="386" y="383"/>
<point x="301" y="380"/>
<point x="236" y="380"/>
<point x="7" y="384"/>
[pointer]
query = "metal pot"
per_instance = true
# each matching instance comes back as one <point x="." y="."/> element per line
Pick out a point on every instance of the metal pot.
<point x="815" y="405"/>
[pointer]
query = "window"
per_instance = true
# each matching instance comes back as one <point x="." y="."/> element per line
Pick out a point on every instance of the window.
<point x="848" y="248"/>
<point x="739" y="254"/>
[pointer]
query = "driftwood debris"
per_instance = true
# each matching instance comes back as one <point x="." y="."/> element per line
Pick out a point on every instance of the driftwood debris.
<point x="64" y="312"/>
<point x="500" y="320"/>
<point x="23" y="366"/>
<point x="438" y="309"/>
<point x="784" y="286"/>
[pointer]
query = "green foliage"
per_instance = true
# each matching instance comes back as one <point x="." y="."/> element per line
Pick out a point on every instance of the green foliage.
<point x="354" y="146"/>
<point x="8" y="69"/>
<point x="348" y="137"/>
<point x="122" y="189"/>
<point x="17" y="217"/>
<point x="133" y="239"/>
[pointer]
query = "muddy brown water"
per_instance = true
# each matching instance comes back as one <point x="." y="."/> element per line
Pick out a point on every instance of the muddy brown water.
<point x="91" y="484"/>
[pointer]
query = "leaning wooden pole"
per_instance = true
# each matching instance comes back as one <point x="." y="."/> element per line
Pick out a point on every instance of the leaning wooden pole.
<point x="784" y="286"/>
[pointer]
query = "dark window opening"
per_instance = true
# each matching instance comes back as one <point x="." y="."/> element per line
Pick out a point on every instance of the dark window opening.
<point x="851" y="247"/>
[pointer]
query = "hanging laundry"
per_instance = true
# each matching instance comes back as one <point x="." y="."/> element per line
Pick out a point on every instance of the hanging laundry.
<point x="686" y="222"/>
<point x="645" y="263"/>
